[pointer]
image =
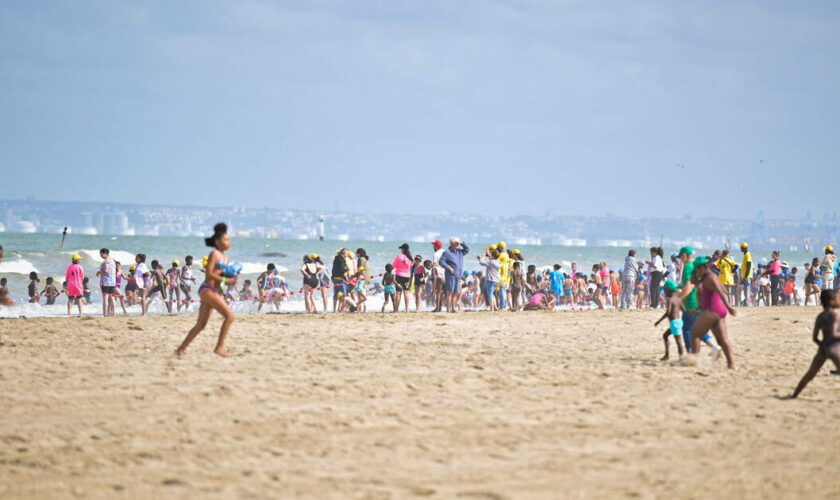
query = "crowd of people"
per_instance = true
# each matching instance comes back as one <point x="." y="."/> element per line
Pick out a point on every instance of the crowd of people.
<point x="697" y="293"/>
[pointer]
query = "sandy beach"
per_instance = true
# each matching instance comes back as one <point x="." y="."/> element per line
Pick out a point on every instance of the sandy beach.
<point x="476" y="406"/>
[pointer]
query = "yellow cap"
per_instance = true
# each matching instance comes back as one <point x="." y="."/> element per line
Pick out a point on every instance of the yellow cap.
<point x="491" y="247"/>
<point x="829" y="248"/>
<point x="362" y="268"/>
<point x="744" y="245"/>
<point x="132" y="267"/>
<point x="313" y="256"/>
<point x="515" y="250"/>
<point x="501" y="244"/>
<point x="175" y="261"/>
<point x="77" y="256"/>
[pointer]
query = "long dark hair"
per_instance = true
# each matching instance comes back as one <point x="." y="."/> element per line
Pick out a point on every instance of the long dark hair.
<point x="405" y="251"/>
<point x="218" y="230"/>
<point x="360" y="252"/>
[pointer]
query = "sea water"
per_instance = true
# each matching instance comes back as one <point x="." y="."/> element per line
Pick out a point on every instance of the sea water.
<point x="42" y="253"/>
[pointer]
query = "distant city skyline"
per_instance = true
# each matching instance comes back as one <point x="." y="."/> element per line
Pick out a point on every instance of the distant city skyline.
<point x="123" y="219"/>
<point x="497" y="107"/>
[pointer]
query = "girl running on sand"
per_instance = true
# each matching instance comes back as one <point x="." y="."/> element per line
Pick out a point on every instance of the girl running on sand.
<point x="715" y="307"/>
<point x="210" y="292"/>
<point x="829" y="346"/>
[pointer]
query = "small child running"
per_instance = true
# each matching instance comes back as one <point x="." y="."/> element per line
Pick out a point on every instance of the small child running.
<point x="829" y="347"/>
<point x="673" y="311"/>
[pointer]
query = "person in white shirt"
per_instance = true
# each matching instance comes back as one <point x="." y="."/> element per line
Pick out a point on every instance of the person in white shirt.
<point x="657" y="272"/>
<point x="143" y="278"/>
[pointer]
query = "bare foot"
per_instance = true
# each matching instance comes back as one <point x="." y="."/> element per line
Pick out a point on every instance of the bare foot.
<point x="664" y="358"/>
<point x="180" y="352"/>
<point x="222" y="352"/>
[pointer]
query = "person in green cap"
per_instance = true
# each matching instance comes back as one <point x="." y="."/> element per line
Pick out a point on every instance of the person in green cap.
<point x="674" y="312"/>
<point x="691" y="306"/>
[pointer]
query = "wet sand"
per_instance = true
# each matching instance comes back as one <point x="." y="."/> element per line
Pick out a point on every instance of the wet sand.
<point x="476" y="405"/>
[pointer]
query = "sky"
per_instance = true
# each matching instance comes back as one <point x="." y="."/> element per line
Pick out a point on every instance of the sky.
<point x="642" y="109"/>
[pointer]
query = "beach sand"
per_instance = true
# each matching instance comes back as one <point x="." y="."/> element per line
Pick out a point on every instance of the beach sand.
<point x="475" y="406"/>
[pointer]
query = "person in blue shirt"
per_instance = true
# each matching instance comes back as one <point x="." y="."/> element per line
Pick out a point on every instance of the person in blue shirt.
<point x="556" y="281"/>
<point x="452" y="261"/>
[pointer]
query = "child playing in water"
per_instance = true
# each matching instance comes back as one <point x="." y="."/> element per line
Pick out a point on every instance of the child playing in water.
<point x="5" y="300"/>
<point x="540" y="302"/>
<point x="246" y="293"/>
<point x="829" y="346"/>
<point x="673" y="311"/>
<point x="50" y="291"/>
<point x="390" y="290"/>
<point x="32" y="289"/>
<point x="86" y="290"/>
<point x="173" y="276"/>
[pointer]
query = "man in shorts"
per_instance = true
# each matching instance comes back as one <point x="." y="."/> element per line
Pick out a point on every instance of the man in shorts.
<point x="452" y="261"/>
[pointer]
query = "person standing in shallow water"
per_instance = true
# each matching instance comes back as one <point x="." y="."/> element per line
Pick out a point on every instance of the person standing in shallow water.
<point x="210" y="292"/>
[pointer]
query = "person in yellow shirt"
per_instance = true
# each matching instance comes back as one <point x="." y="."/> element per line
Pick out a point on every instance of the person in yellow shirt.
<point x="726" y="266"/>
<point x="746" y="274"/>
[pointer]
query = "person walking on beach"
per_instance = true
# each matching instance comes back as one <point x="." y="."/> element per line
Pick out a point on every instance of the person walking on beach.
<point x="187" y="282"/>
<point x="691" y="306"/>
<point x="452" y="262"/>
<point x="715" y="307"/>
<point x="628" y="279"/>
<point x="173" y="278"/>
<point x="829" y="346"/>
<point x="75" y="277"/>
<point x="491" y="264"/>
<point x="338" y="276"/>
<point x="210" y="292"/>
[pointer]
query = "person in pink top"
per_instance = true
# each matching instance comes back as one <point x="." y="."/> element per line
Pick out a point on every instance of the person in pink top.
<point x="402" y="271"/>
<point x="75" y="277"/>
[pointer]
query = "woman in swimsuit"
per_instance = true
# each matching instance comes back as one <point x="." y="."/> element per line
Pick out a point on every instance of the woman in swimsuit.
<point x="323" y="277"/>
<point x="210" y="292"/>
<point x="812" y="286"/>
<point x="714" y="305"/>
<point x="310" y="271"/>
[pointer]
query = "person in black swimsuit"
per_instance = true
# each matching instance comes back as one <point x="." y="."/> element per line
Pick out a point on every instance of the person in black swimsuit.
<point x="829" y="346"/>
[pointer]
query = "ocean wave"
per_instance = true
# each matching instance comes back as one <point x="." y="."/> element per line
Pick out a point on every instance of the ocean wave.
<point x="258" y="267"/>
<point x="18" y="266"/>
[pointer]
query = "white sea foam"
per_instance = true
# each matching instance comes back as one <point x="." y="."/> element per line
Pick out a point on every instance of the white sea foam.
<point x="119" y="255"/>
<point x="257" y="268"/>
<point x="18" y="266"/>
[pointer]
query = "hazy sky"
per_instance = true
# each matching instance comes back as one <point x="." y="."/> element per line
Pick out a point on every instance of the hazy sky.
<point x="476" y="106"/>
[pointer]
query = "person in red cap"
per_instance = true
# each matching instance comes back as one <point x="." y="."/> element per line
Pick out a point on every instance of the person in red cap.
<point x="437" y="274"/>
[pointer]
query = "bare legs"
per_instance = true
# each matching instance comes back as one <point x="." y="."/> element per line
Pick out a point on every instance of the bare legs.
<point x="819" y="360"/>
<point x="711" y="321"/>
<point x="210" y="300"/>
